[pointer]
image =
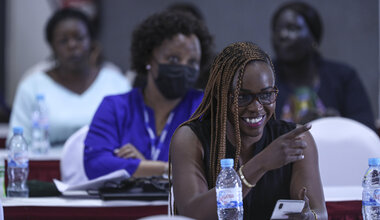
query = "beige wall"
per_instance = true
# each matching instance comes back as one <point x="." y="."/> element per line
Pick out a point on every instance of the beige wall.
<point x="25" y="44"/>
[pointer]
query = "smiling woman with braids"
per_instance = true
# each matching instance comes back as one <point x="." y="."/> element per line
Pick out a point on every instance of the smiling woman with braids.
<point x="236" y="120"/>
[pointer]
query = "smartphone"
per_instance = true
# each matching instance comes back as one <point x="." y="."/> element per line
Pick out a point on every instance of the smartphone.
<point x="284" y="207"/>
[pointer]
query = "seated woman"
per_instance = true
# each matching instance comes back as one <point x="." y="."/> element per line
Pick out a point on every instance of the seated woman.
<point x="194" y="10"/>
<point x="73" y="87"/>
<point x="132" y="131"/>
<point x="276" y="159"/>
<point x="310" y="85"/>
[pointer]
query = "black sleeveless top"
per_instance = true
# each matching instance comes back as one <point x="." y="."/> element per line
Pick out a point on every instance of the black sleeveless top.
<point x="274" y="185"/>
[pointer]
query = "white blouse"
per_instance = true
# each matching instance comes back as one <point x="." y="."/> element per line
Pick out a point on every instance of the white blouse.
<point x="68" y="111"/>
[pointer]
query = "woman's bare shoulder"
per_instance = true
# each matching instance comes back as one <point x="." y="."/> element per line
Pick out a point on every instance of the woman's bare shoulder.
<point x="185" y="141"/>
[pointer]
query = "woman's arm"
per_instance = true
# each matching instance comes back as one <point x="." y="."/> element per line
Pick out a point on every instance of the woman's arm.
<point x="296" y="146"/>
<point x="146" y="167"/>
<point x="306" y="175"/>
<point x="104" y="154"/>
<point x="285" y="149"/>
<point x="22" y="109"/>
<point x="151" y="168"/>
<point x="191" y="194"/>
<point x="354" y="90"/>
<point x="103" y="138"/>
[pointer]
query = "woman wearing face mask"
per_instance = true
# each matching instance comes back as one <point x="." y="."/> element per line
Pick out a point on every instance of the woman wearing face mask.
<point x="310" y="85"/>
<point x="132" y="131"/>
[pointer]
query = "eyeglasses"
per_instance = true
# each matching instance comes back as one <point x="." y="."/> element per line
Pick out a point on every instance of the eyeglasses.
<point x="264" y="98"/>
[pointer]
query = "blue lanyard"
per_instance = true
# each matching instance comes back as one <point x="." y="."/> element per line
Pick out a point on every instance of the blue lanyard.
<point x="156" y="149"/>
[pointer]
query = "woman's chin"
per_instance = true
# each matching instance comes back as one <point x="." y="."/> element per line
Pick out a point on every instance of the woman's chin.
<point x="252" y="129"/>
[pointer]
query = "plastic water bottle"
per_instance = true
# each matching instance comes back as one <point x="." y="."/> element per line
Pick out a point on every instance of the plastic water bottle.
<point x="371" y="190"/>
<point x="40" y="124"/>
<point x="18" y="165"/>
<point x="2" y="182"/>
<point x="229" y="192"/>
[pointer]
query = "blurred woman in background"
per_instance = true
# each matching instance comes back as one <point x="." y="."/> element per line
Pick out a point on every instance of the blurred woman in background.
<point x="74" y="86"/>
<point x="310" y="85"/>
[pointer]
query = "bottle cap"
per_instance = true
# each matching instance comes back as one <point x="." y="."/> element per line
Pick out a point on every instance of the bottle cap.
<point x="228" y="162"/>
<point x="40" y="96"/>
<point x="17" y="130"/>
<point x="373" y="161"/>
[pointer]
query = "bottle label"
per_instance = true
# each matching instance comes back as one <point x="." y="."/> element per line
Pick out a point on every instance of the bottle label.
<point x="371" y="199"/>
<point x="229" y="198"/>
<point x="20" y="159"/>
<point x="2" y="182"/>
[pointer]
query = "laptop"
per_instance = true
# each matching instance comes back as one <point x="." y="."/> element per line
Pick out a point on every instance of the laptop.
<point x="143" y="190"/>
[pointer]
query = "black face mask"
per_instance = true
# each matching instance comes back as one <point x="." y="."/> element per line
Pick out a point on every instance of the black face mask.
<point x="174" y="80"/>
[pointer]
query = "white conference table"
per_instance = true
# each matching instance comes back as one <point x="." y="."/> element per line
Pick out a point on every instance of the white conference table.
<point x="76" y="202"/>
<point x="341" y="202"/>
<point x="80" y="208"/>
<point x="44" y="168"/>
<point x="342" y="193"/>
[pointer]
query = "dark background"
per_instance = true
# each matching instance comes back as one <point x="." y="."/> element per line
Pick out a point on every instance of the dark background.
<point x="351" y="29"/>
<point x="351" y="32"/>
<point x="2" y="46"/>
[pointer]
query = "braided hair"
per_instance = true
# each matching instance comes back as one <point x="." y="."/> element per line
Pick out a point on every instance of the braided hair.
<point x="232" y="60"/>
<point x="214" y="106"/>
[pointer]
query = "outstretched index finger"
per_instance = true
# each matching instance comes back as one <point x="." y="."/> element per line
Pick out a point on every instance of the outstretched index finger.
<point x="298" y="131"/>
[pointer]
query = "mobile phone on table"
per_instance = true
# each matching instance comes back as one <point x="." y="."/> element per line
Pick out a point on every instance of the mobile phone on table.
<point x="284" y="207"/>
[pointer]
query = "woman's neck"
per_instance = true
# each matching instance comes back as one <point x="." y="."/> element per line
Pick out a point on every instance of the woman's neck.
<point x="77" y="73"/>
<point x="76" y="80"/>
<point x="247" y="143"/>
<point x="160" y="105"/>
<point x="301" y="73"/>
